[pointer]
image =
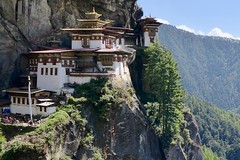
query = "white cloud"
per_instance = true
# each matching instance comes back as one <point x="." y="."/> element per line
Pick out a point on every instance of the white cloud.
<point x="162" y="21"/>
<point x="186" y="28"/>
<point x="217" y="32"/>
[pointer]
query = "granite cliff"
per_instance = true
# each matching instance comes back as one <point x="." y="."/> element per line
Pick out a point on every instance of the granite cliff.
<point x="27" y="24"/>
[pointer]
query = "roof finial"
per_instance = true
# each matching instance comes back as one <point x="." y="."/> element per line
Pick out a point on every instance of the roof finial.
<point x="94" y="9"/>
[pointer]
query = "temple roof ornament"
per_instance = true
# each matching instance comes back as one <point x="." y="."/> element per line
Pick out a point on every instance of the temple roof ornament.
<point x="93" y="21"/>
<point x="93" y="14"/>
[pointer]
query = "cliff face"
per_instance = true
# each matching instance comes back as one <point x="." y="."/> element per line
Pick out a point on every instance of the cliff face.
<point x="190" y="148"/>
<point x="27" y="23"/>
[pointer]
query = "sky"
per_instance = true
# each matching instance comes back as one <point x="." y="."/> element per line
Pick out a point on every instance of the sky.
<point x="204" y="17"/>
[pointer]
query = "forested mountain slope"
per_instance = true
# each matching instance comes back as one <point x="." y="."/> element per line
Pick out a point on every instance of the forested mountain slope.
<point x="219" y="129"/>
<point x="209" y="66"/>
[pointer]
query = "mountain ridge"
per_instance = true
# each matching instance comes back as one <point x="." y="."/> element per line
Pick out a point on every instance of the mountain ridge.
<point x="208" y="65"/>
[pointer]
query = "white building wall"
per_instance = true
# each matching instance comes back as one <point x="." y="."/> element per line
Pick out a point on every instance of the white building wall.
<point x="156" y="37"/>
<point x="123" y="41"/>
<point x="96" y="44"/>
<point x="76" y="44"/>
<point x="23" y="109"/>
<point x="146" y="39"/>
<point x="51" y="82"/>
<point x="49" y="110"/>
<point x="121" y="68"/>
<point x="116" y="68"/>
<point x="100" y="66"/>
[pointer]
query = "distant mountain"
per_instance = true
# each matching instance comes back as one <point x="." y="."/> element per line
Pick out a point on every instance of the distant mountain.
<point x="209" y="66"/>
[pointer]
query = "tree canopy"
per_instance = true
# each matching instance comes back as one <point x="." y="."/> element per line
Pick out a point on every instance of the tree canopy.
<point x="164" y="85"/>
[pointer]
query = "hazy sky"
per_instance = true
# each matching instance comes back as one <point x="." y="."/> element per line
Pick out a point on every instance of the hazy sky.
<point x="207" y="17"/>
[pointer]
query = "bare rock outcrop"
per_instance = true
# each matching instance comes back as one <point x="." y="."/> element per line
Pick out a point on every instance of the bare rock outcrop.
<point x="190" y="149"/>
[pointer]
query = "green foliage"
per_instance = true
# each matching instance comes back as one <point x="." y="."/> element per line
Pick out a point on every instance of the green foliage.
<point x="99" y="95"/>
<point x="58" y="119"/>
<point x="87" y="141"/>
<point x="2" y="140"/>
<point x="19" y="148"/>
<point x="208" y="154"/>
<point x="97" y="155"/>
<point x="74" y="110"/>
<point x="44" y="136"/>
<point x="10" y="131"/>
<point x="163" y="80"/>
<point x="219" y="129"/>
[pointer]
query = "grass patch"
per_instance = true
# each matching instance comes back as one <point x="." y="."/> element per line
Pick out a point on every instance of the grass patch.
<point x="10" y="131"/>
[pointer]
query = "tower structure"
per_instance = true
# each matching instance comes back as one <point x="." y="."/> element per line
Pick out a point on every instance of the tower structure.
<point x="149" y="30"/>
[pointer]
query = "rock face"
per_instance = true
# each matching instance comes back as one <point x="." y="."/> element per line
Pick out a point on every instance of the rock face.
<point x="24" y="24"/>
<point x="126" y="136"/>
<point x="190" y="148"/>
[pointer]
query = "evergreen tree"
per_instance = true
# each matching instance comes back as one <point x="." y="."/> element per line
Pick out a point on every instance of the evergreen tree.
<point x="164" y="84"/>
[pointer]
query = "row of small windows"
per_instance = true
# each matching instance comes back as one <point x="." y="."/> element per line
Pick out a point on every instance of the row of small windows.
<point x="48" y="60"/>
<point x="68" y="62"/>
<point x="49" y="71"/>
<point x="33" y="61"/>
<point x="33" y="69"/>
<point x="24" y="101"/>
<point x="92" y="38"/>
<point x="21" y="100"/>
<point x="107" y="60"/>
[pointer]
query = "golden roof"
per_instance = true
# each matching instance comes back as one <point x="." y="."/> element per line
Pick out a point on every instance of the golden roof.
<point x="93" y="14"/>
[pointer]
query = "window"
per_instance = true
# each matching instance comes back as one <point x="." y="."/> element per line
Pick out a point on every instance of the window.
<point x="54" y="61"/>
<point x="67" y="71"/>
<point x="107" y="60"/>
<point x="14" y="99"/>
<point x="56" y="71"/>
<point x="42" y="71"/>
<point x="109" y="43"/>
<point x="18" y="100"/>
<point x="45" y="109"/>
<point x="40" y="109"/>
<point x="33" y="101"/>
<point x="85" y="42"/>
<point x="51" y="71"/>
<point x="46" y="71"/>
<point x="23" y="100"/>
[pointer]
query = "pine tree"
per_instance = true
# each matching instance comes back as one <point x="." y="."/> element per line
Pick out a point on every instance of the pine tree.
<point x="164" y="84"/>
